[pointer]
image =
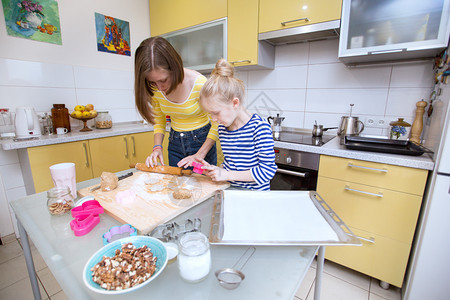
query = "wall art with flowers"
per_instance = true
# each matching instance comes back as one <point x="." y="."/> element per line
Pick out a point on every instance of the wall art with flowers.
<point x="34" y="20"/>
<point x="113" y="35"/>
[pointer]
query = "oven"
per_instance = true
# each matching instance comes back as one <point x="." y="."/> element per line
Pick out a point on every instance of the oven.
<point x="297" y="170"/>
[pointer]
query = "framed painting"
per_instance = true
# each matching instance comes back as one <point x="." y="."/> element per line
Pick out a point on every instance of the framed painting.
<point x="34" y="20"/>
<point x="113" y="35"/>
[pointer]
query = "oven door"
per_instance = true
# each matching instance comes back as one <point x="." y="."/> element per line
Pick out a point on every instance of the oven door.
<point x="294" y="178"/>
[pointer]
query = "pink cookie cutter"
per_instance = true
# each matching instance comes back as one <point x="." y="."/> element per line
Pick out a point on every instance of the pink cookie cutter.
<point x="85" y="217"/>
<point x="118" y="232"/>
<point x="88" y="207"/>
<point x="197" y="167"/>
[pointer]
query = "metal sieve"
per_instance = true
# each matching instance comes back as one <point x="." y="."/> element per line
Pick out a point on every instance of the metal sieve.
<point x="230" y="278"/>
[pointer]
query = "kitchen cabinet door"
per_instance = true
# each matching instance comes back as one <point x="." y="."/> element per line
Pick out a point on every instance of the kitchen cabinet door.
<point x="244" y="49"/>
<point x="171" y="15"/>
<point x="276" y="15"/>
<point x="111" y="154"/>
<point x="387" y="30"/>
<point x="41" y="158"/>
<point x="140" y="146"/>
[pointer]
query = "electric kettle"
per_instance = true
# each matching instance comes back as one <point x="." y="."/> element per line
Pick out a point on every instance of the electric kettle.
<point x="27" y="123"/>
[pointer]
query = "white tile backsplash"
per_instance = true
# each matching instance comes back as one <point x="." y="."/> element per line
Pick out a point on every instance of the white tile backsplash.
<point x="366" y="101"/>
<point x="12" y="175"/>
<point x="291" y="55"/>
<point x="402" y="101"/>
<point x="280" y="100"/>
<point x="105" y="99"/>
<point x="27" y="73"/>
<point x="413" y="75"/>
<point x="323" y="52"/>
<point x="103" y="78"/>
<point x="278" y="78"/>
<point x="337" y="75"/>
<point x="8" y="157"/>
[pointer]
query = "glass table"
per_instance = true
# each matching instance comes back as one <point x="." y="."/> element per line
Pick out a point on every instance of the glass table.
<point x="273" y="272"/>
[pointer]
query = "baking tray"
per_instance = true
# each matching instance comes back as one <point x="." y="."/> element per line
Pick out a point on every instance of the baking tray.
<point x="384" y="145"/>
<point x="343" y="233"/>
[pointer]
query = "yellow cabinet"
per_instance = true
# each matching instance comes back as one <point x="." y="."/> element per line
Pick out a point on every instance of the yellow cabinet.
<point x="41" y="158"/>
<point x="171" y="15"/>
<point x="244" y="49"/>
<point x="381" y="204"/>
<point x="276" y="15"/>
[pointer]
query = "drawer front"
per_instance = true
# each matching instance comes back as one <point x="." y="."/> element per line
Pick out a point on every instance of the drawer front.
<point x="403" y="179"/>
<point x="384" y="259"/>
<point x="384" y="212"/>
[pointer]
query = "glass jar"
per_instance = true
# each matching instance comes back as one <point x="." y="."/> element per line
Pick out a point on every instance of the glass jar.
<point x="194" y="259"/>
<point x="103" y="120"/>
<point x="60" y="201"/>
<point x="60" y="117"/>
<point x="399" y="130"/>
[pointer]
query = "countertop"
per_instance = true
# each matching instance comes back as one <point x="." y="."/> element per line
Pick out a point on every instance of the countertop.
<point x="332" y="148"/>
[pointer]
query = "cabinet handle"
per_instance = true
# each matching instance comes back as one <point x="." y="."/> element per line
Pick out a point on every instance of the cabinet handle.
<point x="86" y="154"/>
<point x="370" y="239"/>
<point x="302" y="19"/>
<point x="386" y="51"/>
<point x="380" y="194"/>
<point x="293" y="173"/>
<point x="367" y="168"/>
<point x="126" y="147"/>
<point x="134" y="146"/>
<point x="241" y="61"/>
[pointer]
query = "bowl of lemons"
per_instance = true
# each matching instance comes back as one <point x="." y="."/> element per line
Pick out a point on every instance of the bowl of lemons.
<point x="84" y="113"/>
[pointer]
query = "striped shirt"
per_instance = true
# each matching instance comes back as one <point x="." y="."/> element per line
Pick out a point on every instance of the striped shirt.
<point x="250" y="148"/>
<point x="185" y="116"/>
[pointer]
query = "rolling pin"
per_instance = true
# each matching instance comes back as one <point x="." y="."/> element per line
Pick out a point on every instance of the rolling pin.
<point x="162" y="169"/>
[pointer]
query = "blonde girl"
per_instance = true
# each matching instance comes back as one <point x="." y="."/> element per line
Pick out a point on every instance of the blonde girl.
<point x="245" y="138"/>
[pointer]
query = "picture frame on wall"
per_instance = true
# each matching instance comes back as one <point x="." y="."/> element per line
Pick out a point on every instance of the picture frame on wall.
<point x="33" y="20"/>
<point x="113" y="35"/>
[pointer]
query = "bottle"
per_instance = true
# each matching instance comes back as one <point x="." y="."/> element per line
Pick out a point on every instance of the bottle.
<point x="194" y="259"/>
<point x="103" y="120"/>
<point x="59" y="201"/>
<point x="60" y="117"/>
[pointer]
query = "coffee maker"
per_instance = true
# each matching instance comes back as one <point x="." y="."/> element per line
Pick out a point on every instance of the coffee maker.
<point x="276" y="125"/>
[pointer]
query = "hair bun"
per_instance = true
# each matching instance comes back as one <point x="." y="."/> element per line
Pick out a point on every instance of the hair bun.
<point x="223" y="68"/>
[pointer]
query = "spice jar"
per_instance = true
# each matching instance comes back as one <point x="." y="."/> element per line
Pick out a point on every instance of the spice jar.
<point x="103" y="120"/>
<point x="60" y="117"/>
<point x="399" y="130"/>
<point x="60" y="200"/>
<point x="194" y="259"/>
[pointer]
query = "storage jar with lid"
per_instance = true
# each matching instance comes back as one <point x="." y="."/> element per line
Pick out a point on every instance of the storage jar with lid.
<point x="103" y="120"/>
<point x="59" y="201"/>
<point x="60" y="117"/>
<point x="194" y="259"/>
<point x="399" y="130"/>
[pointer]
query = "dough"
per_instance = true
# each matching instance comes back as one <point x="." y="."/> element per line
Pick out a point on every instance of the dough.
<point x="152" y="180"/>
<point x="157" y="188"/>
<point x="182" y="194"/>
<point x="109" y="181"/>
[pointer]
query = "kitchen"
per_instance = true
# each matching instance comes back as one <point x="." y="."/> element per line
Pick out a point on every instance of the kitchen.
<point x="308" y="83"/>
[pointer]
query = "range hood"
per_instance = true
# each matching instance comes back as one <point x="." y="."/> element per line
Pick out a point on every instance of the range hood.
<point x="324" y="30"/>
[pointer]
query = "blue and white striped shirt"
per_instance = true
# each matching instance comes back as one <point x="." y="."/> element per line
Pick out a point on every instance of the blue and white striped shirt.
<point x="250" y="148"/>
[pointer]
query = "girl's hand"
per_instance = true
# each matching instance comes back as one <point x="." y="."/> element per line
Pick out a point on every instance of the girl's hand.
<point x="214" y="172"/>
<point x="152" y="159"/>
<point x="188" y="160"/>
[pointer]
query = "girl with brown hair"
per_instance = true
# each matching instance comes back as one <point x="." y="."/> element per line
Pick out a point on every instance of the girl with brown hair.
<point x="164" y="88"/>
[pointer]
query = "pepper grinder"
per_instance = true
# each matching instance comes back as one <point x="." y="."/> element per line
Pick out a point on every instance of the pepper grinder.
<point x="417" y="126"/>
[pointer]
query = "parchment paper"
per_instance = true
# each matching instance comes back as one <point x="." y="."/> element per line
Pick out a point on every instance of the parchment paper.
<point x="273" y="216"/>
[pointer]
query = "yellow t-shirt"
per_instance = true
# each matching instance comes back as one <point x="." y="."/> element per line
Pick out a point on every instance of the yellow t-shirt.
<point x="185" y="116"/>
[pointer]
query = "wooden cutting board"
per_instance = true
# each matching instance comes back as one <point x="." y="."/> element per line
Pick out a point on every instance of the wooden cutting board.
<point x="154" y="203"/>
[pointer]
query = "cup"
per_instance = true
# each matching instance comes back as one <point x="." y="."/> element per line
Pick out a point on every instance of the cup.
<point x="64" y="175"/>
<point x="61" y="130"/>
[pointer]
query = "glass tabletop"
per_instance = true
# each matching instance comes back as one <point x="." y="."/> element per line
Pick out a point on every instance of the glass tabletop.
<point x="273" y="272"/>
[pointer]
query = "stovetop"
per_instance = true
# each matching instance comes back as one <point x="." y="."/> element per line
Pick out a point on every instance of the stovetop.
<point x="305" y="138"/>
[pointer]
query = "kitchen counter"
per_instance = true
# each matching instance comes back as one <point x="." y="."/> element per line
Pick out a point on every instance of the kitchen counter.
<point x="75" y="135"/>
<point x="332" y="148"/>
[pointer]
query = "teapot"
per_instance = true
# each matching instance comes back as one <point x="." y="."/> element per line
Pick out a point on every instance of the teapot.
<point x="276" y="126"/>
<point x="350" y="126"/>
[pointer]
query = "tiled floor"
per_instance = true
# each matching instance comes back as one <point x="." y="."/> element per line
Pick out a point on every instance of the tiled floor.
<point x="338" y="282"/>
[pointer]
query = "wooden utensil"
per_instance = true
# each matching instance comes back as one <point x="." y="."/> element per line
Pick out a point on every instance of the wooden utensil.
<point x="162" y="169"/>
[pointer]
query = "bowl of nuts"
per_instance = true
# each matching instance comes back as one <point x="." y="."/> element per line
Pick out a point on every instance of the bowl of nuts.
<point x="125" y="265"/>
